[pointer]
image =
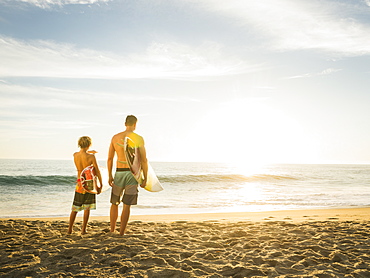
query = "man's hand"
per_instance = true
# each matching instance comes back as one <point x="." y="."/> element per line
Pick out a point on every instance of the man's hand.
<point x="111" y="181"/>
<point x="143" y="184"/>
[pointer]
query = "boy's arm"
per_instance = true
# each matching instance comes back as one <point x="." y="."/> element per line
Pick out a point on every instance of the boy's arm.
<point x="75" y="160"/>
<point x="97" y="171"/>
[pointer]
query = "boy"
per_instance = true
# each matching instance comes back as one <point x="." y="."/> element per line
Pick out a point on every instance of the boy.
<point x="83" y="200"/>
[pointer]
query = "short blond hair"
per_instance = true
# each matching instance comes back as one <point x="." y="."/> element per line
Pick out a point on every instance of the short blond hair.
<point x="84" y="142"/>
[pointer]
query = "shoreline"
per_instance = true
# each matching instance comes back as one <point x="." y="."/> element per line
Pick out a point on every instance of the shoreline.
<point x="294" y="215"/>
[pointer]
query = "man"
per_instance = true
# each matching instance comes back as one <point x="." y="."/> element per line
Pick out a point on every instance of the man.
<point x="124" y="181"/>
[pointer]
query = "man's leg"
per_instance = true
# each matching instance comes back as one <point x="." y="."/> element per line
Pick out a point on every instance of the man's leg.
<point x="85" y="220"/>
<point x="113" y="217"/>
<point x="124" y="218"/>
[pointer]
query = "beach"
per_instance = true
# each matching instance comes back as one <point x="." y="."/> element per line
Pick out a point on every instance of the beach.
<point x="286" y="243"/>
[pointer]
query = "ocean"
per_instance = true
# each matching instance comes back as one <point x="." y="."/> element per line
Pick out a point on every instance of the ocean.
<point x="45" y="188"/>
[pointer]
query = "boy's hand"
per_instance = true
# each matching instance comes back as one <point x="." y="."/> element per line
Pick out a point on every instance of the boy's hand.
<point x="92" y="152"/>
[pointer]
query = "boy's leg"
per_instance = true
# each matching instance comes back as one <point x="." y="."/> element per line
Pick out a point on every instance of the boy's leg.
<point x="86" y="219"/>
<point x="113" y="217"/>
<point x="72" y="219"/>
<point x="124" y="218"/>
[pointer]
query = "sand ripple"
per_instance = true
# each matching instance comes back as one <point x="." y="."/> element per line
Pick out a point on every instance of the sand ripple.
<point x="187" y="249"/>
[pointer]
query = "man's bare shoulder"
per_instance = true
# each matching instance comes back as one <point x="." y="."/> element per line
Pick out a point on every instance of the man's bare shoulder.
<point x="139" y="140"/>
<point x="134" y="134"/>
<point x="118" y="140"/>
<point x="119" y="136"/>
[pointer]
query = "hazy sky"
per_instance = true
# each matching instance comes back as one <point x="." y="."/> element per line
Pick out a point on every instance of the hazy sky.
<point x="254" y="81"/>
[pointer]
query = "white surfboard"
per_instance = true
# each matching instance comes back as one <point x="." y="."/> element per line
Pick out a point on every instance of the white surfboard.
<point x="104" y="177"/>
<point x="134" y="161"/>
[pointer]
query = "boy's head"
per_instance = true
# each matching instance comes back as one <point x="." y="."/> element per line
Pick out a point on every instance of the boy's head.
<point x="84" y="142"/>
<point x="130" y="120"/>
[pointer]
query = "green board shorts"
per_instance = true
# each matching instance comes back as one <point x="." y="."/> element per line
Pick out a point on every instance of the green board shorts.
<point x="84" y="201"/>
<point x="124" y="182"/>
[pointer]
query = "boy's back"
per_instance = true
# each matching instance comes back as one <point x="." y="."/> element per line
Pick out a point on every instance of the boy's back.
<point x="82" y="160"/>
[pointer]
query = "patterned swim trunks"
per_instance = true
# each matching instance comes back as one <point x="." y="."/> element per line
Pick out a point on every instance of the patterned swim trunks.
<point x="124" y="182"/>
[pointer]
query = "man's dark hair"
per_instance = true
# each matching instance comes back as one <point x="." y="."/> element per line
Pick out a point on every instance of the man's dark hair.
<point x="130" y="120"/>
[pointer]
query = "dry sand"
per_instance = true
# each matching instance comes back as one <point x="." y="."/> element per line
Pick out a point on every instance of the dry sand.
<point x="310" y="243"/>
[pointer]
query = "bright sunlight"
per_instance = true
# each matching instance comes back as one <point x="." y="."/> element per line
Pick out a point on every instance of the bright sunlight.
<point x="250" y="133"/>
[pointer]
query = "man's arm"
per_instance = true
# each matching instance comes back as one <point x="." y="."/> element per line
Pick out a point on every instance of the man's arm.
<point x="144" y="164"/>
<point x="110" y="162"/>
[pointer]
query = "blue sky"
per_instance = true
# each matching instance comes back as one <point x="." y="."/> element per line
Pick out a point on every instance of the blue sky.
<point x="243" y="81"/>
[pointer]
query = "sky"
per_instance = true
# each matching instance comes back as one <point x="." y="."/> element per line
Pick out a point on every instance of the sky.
<point x="249" y="82"/>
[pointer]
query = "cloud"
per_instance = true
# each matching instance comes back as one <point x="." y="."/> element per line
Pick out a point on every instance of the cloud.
<point x="286" y="25"/>
<point x="329" y="71"/>
<point x="16" y="98"/>
<point x="37" y="103"/>
<point x="41" y="123"/>
<point x="46" y="4"/>
<point x="160" y="60"/>
<point x="307" y="75"/>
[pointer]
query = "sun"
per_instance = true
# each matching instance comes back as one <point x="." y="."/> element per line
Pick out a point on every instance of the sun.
<point x="250" y="132"/>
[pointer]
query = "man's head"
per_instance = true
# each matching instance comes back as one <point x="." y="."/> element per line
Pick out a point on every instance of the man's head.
<point x="130" y="120"/>
<point x="84" y="142"/>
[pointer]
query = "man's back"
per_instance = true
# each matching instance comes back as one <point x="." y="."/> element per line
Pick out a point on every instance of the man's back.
<point x="117" y="142"/>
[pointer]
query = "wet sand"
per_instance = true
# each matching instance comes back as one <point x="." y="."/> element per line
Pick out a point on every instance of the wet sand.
<point x="305" y="243"/>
